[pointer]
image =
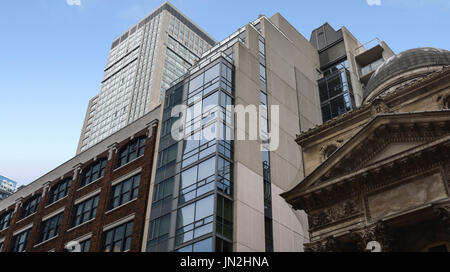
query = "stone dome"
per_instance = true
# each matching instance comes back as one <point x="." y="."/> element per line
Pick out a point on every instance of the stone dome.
<point x="402" y="63"/>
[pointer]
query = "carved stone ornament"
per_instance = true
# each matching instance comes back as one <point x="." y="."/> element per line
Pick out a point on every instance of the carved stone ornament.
<point x="336" y="213"/>
<point x="378" y="106"/>
<point x="377" y="232"/>
<point x="328" y="244"/>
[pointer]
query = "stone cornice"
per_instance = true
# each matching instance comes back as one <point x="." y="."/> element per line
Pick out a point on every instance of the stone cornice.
<point x="367" y="133"/>
<point x="414" y="161"/>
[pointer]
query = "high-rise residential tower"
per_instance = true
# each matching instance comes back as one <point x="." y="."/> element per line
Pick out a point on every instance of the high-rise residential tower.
<point x="142" y="63"/>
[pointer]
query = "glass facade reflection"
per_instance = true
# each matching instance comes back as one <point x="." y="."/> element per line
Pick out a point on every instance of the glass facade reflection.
<point x="335" y="91"/>
<point x="192" y="205"/>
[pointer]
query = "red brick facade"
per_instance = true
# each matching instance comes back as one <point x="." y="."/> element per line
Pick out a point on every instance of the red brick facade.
<point x="103" y="216"/>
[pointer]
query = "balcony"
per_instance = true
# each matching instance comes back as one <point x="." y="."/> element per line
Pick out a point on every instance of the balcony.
<point x="369" y="57"/>
<point x="366" y="72"/>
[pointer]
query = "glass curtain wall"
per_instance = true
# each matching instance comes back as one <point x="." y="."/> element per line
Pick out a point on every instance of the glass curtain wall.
<point x="192" y="206"/>
<point x="335" y="91"/>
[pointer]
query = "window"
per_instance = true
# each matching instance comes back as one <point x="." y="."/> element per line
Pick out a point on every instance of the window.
<point x="224" y="224"/>
<point x="195" y="220"/>
<point x="268" y="234"/>
<point x="224" y="176"/>
<point x="19" y="241"/>
<point x="85" y="245"/>
<point x="30" y="206"/>
<point x="50" y="227"/>
<point x="195" y="83"/>
<point x="212" y="73"/>
<point x="95" y="171"/>
<point x="5" y="219"/>
<point x="163" y="191"/>
<point x="167" y="155"/>
<point x="125" y="191"/>
<point x="85" y="211"/>
<point x="223" y="246"/>
<point x="118" y="239"/>
<point x="131" y="151"/>
<point x="197" y="180"/>
<point x="201" y="246"/>
<point x="159" y="231"/>
<point x="60" y="190"/>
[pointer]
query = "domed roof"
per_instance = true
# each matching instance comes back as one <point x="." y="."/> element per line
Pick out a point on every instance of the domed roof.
<point x="406" y="61"/>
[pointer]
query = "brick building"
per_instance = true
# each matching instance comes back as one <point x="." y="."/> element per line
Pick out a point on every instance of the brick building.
<point x="98" y="198"/>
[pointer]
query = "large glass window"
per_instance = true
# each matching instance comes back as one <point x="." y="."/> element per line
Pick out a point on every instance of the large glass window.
<point x="5" y="219"/>
<point x="118" y="239"/>
<point x="224" y="176"/>
<point x="212" y="73"/>
<point x="224" y="223"/>
<point x="168" y="155"/>
<point x="335" y="92"/>
<point x="197" y="180"/>
<point x="60" y="190"/>
<point x="50" y="227"/>
<point x="196" y="149"/>
<point x="131" y="151"/>
<point x="195" y="220"/>
<point x="30" y="206"/>
<point x="196" y="83"/>
<point x="85" y="211"/>
<point x="163" y="191"/>
<point x="200" y="246"/>
<point x="125" y="191"/>
<point x="19" y="241"/>
<point x="159" y="232"/>
<point x="95" y="171"/>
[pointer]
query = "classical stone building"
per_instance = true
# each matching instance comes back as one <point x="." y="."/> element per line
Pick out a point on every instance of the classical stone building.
<point x="381" y="173"/>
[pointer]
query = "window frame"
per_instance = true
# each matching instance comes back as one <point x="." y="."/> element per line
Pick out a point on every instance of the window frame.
<point x="133" y="191"/>
<point x="4" y="224"/>
<point x="124" y="155"/>
<point x="15" y="245"/>
<point x="124" y="237"/>
<point x="28" y="209"/>
<point x="87" y="177"/>
<point x="50" y="227"/>
<point x="94" y="200"/>
<point x="60" y="187"/>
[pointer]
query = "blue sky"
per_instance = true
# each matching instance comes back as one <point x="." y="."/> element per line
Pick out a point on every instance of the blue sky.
<point x="53" y="52"/>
